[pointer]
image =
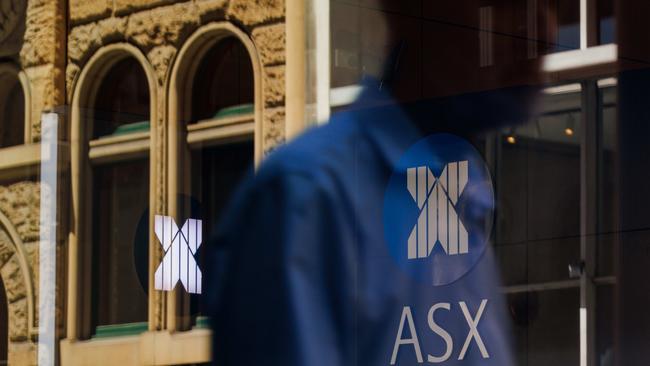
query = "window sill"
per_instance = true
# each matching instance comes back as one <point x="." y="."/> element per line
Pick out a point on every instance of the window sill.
<point x="220" y="130"/>
<point x="588" y="62"/>
<point x="121" y="147"/>
<point x="120" y="330"/>
<point x="21" y="161"/>
<point x="20" y="156"/>
<point x="147" y="348"/>
<point x="202" y="322"/>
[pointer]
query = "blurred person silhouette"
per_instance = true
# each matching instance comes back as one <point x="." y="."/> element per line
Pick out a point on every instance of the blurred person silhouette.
<point x="302" y="270"/>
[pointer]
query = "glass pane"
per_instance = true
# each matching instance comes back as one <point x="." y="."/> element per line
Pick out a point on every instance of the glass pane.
<point x="605" y="324"/>
<point x="538" y="192"/>
<point x="607" y="187"/>
<point x="537" y="261"/>
<point x="606" y="21"/>
<point x="120" y="256"/>
<point x="568" y="24"/>
<point x="217" y="172"/>
<point x="345" y="55"/>
<point x="12" y="111"/>
<point x="286" y="124"/>
<point x="546" y="327"/>
<point x="224" y="82"/>
<point x="212" y="160"/>
<point x="122" y="101"/>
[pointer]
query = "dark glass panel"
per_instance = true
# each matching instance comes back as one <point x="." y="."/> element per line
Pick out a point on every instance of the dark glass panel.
<point x="223" y="79"/>
<point x="120" y="202"/>
<point x="122" y="98"/>
<point x="12" y="112"/>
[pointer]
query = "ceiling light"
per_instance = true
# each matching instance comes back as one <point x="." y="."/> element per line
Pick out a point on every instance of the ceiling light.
<point x="569" y="129"/>
<point x="510" y="136"/>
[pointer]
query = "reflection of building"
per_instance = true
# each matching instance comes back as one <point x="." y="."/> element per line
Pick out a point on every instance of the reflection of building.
<point x="159" y="100"/>
<point x="165" y="103"/>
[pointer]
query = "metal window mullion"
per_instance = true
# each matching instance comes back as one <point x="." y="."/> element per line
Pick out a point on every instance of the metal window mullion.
<point x="588" y="24"/>
<point x="588" y="220"/>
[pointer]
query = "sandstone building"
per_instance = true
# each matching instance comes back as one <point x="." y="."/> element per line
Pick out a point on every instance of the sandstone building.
<point x="187" y="81"/>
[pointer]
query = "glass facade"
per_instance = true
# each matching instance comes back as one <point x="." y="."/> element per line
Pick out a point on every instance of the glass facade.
<point x="134" y="138"/>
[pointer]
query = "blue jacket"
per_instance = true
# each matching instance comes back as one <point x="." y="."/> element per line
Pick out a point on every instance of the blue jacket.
<point x="301" y="274"/>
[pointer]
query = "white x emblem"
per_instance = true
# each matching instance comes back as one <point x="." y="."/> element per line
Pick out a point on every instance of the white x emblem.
<point x="178" y="264"/>
<point x="438" y="221"/>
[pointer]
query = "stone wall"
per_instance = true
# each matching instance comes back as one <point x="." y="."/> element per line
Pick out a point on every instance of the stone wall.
<point x="32" y="37"/>
<point x="19" y="228"/>
<point x="32" y="40"/>
<point x="158" y="28"/>
<point x="42" y="57"/>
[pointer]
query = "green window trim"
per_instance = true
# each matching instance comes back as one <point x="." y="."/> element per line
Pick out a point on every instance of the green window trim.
<point x="202" y="322"/>
<point x="120" y="330"/>
<point x="128" y="128"/>
<point x="236" y="110"/>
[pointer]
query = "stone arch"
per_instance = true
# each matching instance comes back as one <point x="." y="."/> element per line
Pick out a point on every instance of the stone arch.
<point x="85" y="87"/>
<point x="187" y="61"/>
<point x="17" y="280"/>
<point x="86" y="83"/>
<point x="13" y="71"/>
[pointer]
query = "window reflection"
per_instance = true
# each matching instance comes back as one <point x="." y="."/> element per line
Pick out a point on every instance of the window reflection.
<point x="12" y="111"/>
<point x="213" y="159"/>
<point x="461" y="47"/>
<point x="568" y="24"/>
<point x="538" y="228"/>
<point x="546" y="327"/>
<point x="119" y="198"/>
<point x="216" y="173"/>
<point x="122" y="103"/>
<point x="605" y="325"/>
<point x="606" y="21"/>
<point x="538" y="189"/>
<point x="607" y="223"/>
<point x="224" y="85"/>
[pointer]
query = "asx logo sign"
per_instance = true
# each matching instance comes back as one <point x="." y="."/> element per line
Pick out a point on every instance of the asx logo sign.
<point x="413" y="342"/>
<point x="438" y="222"/>
<point x="180" y="246"/>
<point x="438" y="209"/>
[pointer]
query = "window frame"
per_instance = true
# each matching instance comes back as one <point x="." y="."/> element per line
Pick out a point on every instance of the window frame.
<point x="589" y="281"/>
<point x="185" y="137"/>
<point x="84" y="155"/>
<point x="27" y="154"/>
<point x="590" y="61"/>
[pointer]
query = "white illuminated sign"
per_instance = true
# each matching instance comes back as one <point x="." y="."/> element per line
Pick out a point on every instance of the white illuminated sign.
<point x="180" y="246"/>
<point x="438" y="221"/>
<point x="414" y="342"/>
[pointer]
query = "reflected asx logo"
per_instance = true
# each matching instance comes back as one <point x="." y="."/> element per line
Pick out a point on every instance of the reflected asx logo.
<point x="438" y="209"/>
<point x="180" y="246"/>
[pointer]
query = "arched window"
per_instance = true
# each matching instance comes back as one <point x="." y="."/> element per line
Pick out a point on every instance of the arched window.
<point x="216" y="111"/>
<point x="223" y="84"/>
<point x="222" y="90"/>
<point x="12" y="111"/>
<point x="119" y="197"/>
<point x="122" y="101"/>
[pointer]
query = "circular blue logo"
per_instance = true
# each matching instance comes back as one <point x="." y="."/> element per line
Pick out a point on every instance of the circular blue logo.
<point x="439" y="209"/>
